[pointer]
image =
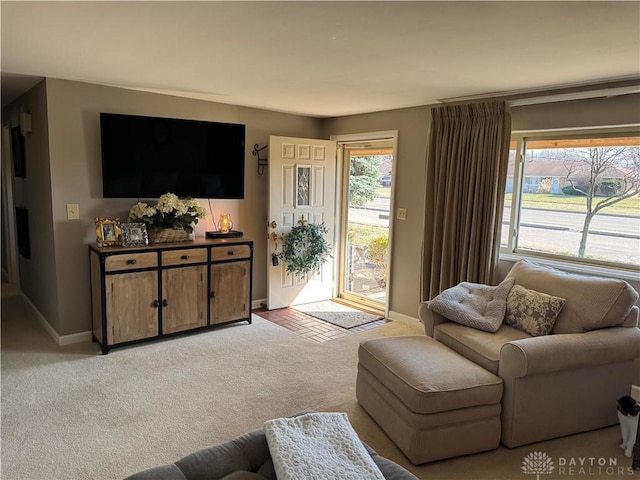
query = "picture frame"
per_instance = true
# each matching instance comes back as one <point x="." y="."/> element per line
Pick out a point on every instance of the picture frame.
<point x="134" y="235"/>
<point x="22" y="226"/>
<point x="108" y="232"/>
<point x="17" y="145"/>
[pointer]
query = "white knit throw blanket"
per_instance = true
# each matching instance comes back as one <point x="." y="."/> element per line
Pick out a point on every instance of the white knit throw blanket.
<point x="318" y="446"/>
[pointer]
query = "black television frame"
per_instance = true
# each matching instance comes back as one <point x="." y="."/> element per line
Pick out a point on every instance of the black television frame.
<point x="232" y="136"/>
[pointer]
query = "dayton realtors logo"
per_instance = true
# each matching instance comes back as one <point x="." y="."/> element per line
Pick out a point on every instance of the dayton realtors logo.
<point x="539" y="463"/>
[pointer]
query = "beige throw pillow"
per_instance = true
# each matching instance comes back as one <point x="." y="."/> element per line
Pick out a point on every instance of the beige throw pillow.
<point x="474" y="304"/>
<point x="532" y="312"/>
<point x="592" y="302"/>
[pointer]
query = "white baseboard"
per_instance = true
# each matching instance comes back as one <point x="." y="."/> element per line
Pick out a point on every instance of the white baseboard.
<point x="401" y="317"/>
<point x="80" y="337"/>
<point x="60" y="340"/>
<point x="260" y="303"/>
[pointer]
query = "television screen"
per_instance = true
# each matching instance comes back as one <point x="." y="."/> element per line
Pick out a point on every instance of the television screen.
<point x="144" y="157"/>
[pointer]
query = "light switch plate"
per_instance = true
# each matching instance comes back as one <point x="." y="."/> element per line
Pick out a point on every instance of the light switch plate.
<point x="73" y="211"/>
<point x="402" y="214"/>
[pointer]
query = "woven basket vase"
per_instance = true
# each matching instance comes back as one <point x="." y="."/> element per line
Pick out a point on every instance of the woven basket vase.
<point x="167" y="235"/>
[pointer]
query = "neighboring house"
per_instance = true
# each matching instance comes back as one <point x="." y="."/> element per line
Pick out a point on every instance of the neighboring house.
<point x="558" y="173"/>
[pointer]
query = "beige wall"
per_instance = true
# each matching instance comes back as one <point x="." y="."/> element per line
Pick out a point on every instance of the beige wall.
<point x="413" y="125"/>
<point x="409" y="171"/>
<point x="65" y="152"/>
<point x="597" y="112"/>
<point x="37" y="274"/>
<point x="75" y="161"/>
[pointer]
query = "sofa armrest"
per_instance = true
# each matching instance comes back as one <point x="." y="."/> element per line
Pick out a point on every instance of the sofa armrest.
<point x="429" y="319"/>
<point x="165" y="472"/>
<point x="553" y="353"/>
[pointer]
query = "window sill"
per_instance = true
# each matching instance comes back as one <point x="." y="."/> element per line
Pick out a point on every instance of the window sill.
<point x="574" y="267"/>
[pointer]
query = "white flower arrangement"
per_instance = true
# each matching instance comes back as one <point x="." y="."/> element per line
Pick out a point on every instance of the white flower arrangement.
<point x="169" y="212"/>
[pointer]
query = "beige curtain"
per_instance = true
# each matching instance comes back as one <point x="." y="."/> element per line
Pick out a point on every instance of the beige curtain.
<point x="467" y="162"/>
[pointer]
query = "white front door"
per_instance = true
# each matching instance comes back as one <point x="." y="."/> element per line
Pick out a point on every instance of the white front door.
<point x="302" y="178"/>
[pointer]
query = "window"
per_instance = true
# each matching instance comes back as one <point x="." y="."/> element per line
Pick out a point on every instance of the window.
<point x="574" y="197"/>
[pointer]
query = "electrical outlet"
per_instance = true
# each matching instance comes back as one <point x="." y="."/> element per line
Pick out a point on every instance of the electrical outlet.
<point x="73" y="211"/>
<point x="402" y="214"/>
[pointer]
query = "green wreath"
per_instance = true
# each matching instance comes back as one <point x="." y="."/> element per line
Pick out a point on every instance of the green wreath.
<point x="305" y="249"/>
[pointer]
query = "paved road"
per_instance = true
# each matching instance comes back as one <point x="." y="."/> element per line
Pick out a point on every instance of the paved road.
<point x="377" y="212"/>
<point x="612" y="237"/>
<point x="573" y="221"/>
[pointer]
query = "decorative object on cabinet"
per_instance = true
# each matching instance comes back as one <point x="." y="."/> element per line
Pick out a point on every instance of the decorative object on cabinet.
<point x="168" y="235"/>
<point x="134" y="235"/>
<point x="145" y="293"/>
<point x="225" y="225"/>
<point x="169" y="220"/>
<point x="304" y="248"/>
<point x="108" y="232"/>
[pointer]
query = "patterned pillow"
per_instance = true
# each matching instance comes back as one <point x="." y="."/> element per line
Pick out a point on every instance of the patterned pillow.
<point x="532" y="312"/>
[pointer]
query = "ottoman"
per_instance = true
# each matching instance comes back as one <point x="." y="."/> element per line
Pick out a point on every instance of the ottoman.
<point x="432" y="402"/>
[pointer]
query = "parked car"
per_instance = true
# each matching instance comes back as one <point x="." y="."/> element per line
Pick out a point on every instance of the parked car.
<point x="385" y="180"/>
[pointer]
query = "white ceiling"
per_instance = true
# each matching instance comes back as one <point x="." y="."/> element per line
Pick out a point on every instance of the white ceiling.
<point x="320" y="59"/>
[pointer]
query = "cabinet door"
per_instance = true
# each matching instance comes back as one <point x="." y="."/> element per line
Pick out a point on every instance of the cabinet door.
<point x="131" y="314"/>
<point x="230" y="284"/>
<point x="184" y="298"/>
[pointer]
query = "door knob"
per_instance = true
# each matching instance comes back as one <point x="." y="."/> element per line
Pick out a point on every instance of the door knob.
<point x="273" y="224"/>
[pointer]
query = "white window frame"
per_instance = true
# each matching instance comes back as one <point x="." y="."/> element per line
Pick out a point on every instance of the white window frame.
<point x="581" y="265"/>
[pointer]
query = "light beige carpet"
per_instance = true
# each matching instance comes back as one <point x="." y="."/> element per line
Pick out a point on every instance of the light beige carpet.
<point x="70" y="413"/>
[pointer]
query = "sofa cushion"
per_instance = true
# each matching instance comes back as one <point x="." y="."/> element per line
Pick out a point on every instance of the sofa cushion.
<point x="591" y="302"/>
<point x="532" y="312"/>
<point x="426" y="376"/>
<point x="474" y="304"/>
<point x="480" y="347"/>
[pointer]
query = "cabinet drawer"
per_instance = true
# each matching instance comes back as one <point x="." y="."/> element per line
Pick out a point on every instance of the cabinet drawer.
<point x="230" y="252"/>
<point x="182" y="257"/>
<point x="131" y="261"/>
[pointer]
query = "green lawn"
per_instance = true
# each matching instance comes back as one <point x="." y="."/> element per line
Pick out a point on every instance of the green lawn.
<point x="383" y="192"/>
<point x="364" y="234"/>
<point x="630" y="206"/>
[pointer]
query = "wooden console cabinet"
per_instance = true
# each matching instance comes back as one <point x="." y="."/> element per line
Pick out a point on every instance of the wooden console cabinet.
<point x="142" y="293"/>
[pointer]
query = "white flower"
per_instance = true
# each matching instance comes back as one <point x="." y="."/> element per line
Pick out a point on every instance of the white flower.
<point x="168" y="202"/>
<point x="169" y="212"/>
<point x="141" y="210"/>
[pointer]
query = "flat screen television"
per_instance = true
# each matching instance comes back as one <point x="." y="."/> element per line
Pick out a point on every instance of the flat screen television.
<point x="144" y="157"/>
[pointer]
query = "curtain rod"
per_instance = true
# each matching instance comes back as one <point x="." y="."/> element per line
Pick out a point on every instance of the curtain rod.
<point x="550" y="98"/>
<point x="566" y="97"/>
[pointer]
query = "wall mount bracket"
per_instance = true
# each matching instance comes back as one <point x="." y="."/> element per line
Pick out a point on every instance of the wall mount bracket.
<point x="262" y="162"/>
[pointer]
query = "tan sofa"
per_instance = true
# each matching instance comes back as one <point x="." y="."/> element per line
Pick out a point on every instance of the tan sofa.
<point x="565" y="382"/>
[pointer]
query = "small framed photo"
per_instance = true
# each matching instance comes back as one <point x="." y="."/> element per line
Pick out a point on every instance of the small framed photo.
<point x="17" y="145"/>
<point x="108" y="232"/>
<point x="134" y="235"/>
